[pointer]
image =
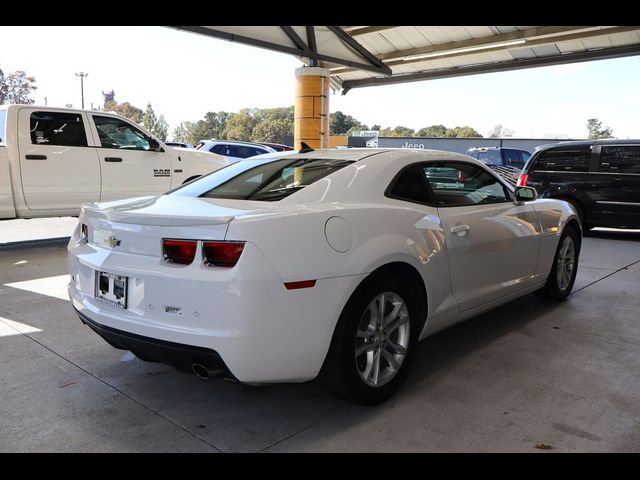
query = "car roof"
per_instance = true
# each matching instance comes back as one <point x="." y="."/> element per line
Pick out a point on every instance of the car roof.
<point x="587" y="143"/>
<point x="235" y="142"/>
<point x="356" y="154"/>
<point x="496" y="148"/>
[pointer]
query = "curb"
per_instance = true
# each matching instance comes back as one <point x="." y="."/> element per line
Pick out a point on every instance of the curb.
<point x="44" y="242"/>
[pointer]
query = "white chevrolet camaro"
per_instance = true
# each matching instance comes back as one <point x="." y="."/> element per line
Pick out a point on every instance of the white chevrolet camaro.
<point x="331" y="262"/>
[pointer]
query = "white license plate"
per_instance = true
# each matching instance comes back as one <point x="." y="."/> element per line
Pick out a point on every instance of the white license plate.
<point x="112" y="289"/>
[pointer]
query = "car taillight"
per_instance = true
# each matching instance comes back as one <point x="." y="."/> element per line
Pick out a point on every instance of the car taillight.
<point x="85" y="233"/>
<point x="179" y="251"/>
<point x="222" y="254"/>
<point x="522" y="180"/>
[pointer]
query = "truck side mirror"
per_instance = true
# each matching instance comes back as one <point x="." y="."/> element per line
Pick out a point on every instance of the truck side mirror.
<point x="154" y="145"/>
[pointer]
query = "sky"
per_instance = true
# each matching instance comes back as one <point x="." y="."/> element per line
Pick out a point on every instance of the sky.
<point x="184" y="75"/>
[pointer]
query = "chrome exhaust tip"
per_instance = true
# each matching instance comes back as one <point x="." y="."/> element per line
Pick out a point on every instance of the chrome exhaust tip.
<point x="205" y="373"/>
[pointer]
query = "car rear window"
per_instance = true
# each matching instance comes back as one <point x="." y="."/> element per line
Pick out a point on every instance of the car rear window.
<point x="275" y="180"/>
<point x="620" y="159"/>
<point x="564" y="160"/>
<point x="489" y="156"/>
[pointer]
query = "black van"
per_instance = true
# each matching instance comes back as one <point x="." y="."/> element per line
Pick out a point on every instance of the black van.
<point x="600" y="178"/>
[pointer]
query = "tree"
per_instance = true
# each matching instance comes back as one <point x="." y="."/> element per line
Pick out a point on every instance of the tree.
<point x="376" y="127"/>
<point x="16" y="88"/>
<point x="462" y="132"/>
<point x="436" y="131"/>
<point x="274" y="124"/>
<point x="149" y="118"/>
<point x="216" y="123"/>
<point x="596" y="130"/>
<point x="401" y="131"/>
<point x="182" y="131"/>
<point x="340" y="124"/>
<point x="161" y="128"/>
<point x="500" y="132"/>
<point x="240" y="125"/>
<point x="156" y="125"/>
<point x="125" y="109"/>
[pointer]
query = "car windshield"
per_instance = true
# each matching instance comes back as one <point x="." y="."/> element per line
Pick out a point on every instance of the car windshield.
<point x="275" y="180"/>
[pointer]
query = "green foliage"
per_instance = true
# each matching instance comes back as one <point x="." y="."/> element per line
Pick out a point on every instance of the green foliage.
<point x="273" y="125"/>
<point x="156" y="125"/>
<point x="149" y="118"/>
<point x="462" y="132"/>
<point x="240" y="125"/>
<point x="596" y="130"/>
<point x="437" y="131"/>
<point x="401" y="131"/>
<point x="500" y="132"/>
<point x="161" y="128"/>
<point x="16" y="88"/>
<point x="181" y="132"/>
<point x="125" y="109"/>
<point x="340" y="124"/>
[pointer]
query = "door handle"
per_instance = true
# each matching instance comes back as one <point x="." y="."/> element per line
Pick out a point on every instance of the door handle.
<point x="112" y="159"/>
<point x="460" y="230"/>
<point x="35" y="157"/>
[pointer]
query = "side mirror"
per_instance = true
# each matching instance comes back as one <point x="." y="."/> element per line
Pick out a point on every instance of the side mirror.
<point x="154" y="145"/>
<point x="524" y="194"/>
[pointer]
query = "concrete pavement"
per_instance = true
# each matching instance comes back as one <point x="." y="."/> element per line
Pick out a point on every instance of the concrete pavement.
<point x="531" y="372"/>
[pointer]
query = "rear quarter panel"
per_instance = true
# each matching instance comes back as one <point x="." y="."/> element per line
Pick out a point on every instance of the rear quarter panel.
<point x="296" y="245"/>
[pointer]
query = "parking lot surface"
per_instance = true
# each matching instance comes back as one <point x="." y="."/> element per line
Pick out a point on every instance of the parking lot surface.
<point x="531" y="372"/>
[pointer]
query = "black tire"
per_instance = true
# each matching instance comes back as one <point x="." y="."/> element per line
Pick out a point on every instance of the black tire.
<point x="342" y="369"/>
<point x="555" y="288"/>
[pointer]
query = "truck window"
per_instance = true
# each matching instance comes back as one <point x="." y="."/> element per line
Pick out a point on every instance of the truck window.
<point x="115" y="133"/>
<point x="58" y="128"/>
<point x="513" y="157"/>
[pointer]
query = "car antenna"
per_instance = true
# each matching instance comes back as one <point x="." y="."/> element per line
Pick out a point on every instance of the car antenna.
<point x="305" y="148"/>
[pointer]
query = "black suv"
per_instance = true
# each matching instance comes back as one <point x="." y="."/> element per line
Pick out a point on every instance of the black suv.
<point x="600" y="178"/>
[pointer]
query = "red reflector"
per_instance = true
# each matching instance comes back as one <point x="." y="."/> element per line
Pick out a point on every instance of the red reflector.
<point x="303" y="284"/>
<point x="522" y="180"/>
<point x="179" y="251"/>
<point x="222" y="254"/>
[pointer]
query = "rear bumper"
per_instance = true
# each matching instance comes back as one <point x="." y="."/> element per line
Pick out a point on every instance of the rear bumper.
<point x="153" y="350"/>
<point x="263" y="332"/>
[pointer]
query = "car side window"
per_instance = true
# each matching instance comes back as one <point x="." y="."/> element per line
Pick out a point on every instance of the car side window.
<point x="410" y="186"/>
<point x="564" y="160"/>
<point x="456" y="184"/>
<point x="115" y="133"/>
<point x="220" y="149"/>
<point x="58" y="128"/>
<point x="620" y="159"/>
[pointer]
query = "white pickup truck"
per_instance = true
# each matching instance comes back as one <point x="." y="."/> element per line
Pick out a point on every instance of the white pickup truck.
<point x="54" y="159"/>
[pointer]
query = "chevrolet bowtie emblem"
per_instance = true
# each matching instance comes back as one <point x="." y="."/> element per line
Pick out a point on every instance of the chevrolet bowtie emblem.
<point x="112" y="241"/>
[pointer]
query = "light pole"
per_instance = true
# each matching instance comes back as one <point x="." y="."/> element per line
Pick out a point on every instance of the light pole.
<point x="82" y="75"/>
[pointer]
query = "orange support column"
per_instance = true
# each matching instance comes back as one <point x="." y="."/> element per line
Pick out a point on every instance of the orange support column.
<point x="311" y="124"/>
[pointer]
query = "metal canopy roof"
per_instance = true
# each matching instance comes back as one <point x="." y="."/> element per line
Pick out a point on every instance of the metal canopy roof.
<point x="362" y="56"/>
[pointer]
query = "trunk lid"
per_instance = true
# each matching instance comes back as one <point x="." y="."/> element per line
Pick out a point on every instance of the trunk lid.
<point x="139" y="225"/>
